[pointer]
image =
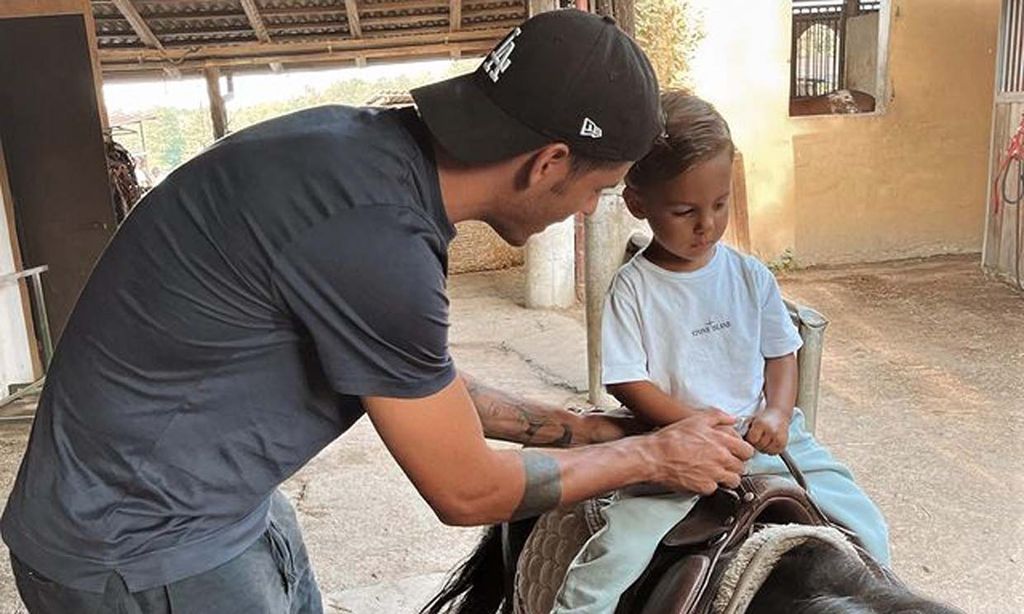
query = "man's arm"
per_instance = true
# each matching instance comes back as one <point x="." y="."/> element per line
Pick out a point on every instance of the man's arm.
<point x="649" y="403"/>
<point x="513" y="418"/>
<point x="439" y="443"/>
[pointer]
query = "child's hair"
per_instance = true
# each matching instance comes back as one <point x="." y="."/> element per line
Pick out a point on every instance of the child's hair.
<point x="694" y="132"/>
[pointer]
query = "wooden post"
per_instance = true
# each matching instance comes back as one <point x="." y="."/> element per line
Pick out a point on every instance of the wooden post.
<point x="541" y="6"/>
<point x="625" y="14"/>
<point x="739" y="219"/>
<point x="218" y="112"/>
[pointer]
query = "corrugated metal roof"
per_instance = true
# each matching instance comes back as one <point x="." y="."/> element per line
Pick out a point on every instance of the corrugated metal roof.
<point x="191" y="34"/>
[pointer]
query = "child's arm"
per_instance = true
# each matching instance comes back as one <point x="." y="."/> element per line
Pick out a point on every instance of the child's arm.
<point x="769" y="430"/>
<point x="780" y="384"/>
<point x="649" y="403"/>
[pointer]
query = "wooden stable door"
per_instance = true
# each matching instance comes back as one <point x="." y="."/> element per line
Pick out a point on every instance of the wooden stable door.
<point x="1004" y="232"/>
<point x="54" y="152"/>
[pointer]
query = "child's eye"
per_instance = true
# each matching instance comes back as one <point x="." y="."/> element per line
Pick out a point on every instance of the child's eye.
<point x="719" y="206"/>
<point x="682" y="213"/>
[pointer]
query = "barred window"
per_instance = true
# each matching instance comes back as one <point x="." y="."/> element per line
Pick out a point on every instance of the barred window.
<point x="834" y="59"/>
<point x="1011" y="61"/>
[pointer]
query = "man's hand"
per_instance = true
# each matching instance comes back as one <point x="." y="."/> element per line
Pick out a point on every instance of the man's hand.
<point x="769" y="430"/>
<point x="700" y="453"/>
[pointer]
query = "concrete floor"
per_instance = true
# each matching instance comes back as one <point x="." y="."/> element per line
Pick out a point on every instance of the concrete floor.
<point x="923" y="381"/>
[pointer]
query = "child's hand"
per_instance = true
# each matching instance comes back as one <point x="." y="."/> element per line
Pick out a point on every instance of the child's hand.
<point x="769" y="430"/>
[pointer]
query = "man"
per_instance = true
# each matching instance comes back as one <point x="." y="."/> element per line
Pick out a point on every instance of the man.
<point x="292" y="277"/>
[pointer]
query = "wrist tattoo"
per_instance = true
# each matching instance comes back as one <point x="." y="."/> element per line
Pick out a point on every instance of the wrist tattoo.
<point x="543" y="490"/>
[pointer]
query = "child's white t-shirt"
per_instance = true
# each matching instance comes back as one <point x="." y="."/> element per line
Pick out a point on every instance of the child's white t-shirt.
<point x="700" y="336"/>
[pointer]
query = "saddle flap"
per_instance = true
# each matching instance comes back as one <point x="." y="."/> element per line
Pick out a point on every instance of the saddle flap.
<point x="681" y="586"/>
<point x="759" y="499"/>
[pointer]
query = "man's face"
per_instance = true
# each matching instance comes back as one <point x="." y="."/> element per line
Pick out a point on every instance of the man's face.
<point x="554" y="200"/>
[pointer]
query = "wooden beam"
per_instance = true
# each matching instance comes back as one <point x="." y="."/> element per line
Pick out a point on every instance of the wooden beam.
<point x="455" y="15"/>
<point x="142" y="30"/>
<point x="179" y="41"/>
<point x="252" y="49"/>
<point x="349" y="57"/>
<point x="252" y="12"/>
<point x="218" y="112"/>
<point x="352" y="12"/>
<point x="35" y="8"/>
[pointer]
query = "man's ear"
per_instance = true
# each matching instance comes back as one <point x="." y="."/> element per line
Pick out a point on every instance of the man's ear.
<point x="635" y="203"/>
<point x="549" y="165"/>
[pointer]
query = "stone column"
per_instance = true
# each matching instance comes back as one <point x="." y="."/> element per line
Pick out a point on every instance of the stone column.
<point x="605" y="243"/>
<point x="550" y="270"/>
<point x="550" y="266"/>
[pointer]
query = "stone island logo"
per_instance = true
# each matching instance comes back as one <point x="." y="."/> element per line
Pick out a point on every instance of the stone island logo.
<point x="711" y="326"/>
<point x="591" y="129"/>
<point x="500" y="58"/>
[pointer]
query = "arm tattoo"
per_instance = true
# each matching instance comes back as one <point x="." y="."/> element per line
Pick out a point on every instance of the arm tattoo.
<point x="543" y="485"/>
<point x="515" y="419"/>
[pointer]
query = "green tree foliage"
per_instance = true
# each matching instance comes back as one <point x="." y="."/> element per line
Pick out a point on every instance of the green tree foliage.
<point x="174" y="134"/>
<point x="670" y="32"/>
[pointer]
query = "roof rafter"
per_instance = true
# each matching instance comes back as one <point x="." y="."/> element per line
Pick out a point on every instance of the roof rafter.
<point x="352" y="12"/>
<point x="455" y="14"/>
<point x="138" y="24"/>
<point x="252" y="13"/>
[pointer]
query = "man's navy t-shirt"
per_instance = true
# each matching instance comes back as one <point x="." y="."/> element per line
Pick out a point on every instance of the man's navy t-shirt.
<point x="225" y="337"/>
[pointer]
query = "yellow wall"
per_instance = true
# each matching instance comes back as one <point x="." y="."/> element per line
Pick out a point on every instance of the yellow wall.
<point x="908" y="181"/>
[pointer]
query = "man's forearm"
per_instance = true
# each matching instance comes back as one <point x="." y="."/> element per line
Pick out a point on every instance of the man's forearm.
<point x="512" y="418"/>
<point x="552" y="478"/>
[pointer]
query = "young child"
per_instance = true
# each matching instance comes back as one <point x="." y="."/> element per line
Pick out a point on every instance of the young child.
<point x="691" y="324"/>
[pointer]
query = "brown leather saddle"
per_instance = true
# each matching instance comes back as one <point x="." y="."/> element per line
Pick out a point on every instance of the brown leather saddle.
<point x="685" y="571"/>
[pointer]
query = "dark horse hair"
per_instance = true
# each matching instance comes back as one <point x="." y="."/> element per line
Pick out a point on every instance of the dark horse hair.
<point x="480" y="584"/>
<point x="814" y="578"/>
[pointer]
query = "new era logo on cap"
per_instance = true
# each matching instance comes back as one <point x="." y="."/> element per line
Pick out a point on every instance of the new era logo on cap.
<point x="591" y="129"/>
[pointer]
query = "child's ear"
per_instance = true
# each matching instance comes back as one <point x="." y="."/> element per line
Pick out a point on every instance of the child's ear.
<point x="635" y="203"/>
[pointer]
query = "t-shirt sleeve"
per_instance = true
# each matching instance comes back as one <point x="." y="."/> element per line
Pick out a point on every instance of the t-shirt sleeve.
<point x="779" y="336"/>
<point x="369" y="287"/>
<point x="623" y="358"/>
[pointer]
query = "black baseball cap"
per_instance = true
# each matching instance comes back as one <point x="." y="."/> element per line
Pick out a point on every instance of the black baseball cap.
<point x="562" y="76"/>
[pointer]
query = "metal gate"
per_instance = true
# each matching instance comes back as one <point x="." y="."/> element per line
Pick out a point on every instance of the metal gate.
<point x="1004" y="234"/>
<point x="818" y="54"/>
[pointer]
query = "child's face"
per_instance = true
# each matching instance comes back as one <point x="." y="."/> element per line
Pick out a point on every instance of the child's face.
<point x="688" y="213"/>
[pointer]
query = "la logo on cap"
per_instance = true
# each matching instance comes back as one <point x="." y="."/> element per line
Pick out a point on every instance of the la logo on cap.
<point x="591" y="129"/>
<point x="500" y="59"/>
